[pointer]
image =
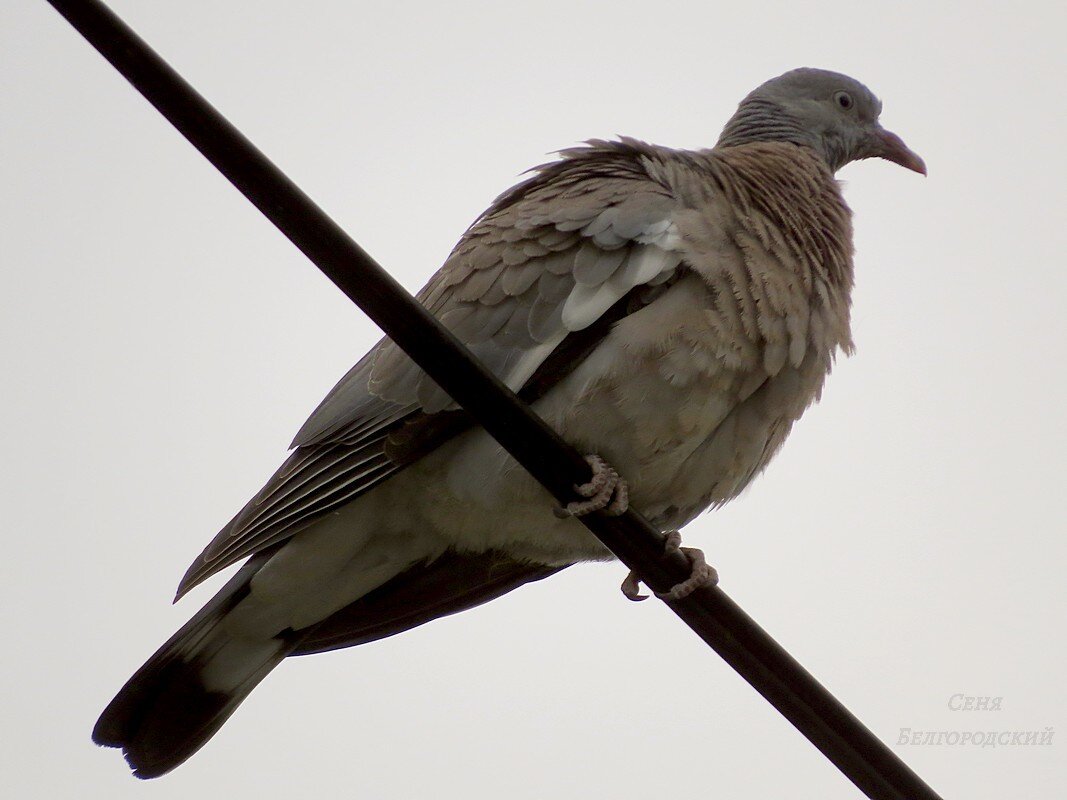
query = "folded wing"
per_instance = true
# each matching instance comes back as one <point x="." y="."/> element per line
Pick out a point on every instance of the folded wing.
<point x="530" y="288"/>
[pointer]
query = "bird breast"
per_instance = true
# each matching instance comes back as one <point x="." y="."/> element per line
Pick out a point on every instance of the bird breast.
<point x="691" y="396"/>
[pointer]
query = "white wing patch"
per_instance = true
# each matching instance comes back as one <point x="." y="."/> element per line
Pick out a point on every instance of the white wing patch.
<point x="513" y="304"/>
<point x="644" y="263"/>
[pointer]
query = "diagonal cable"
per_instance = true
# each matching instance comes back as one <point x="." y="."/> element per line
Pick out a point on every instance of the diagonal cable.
<point x="720" y="622"/>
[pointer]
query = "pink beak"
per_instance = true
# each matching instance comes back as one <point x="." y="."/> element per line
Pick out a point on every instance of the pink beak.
<point x="891" y="147"/>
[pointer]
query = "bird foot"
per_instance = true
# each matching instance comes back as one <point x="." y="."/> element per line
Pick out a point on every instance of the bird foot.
<point x="605" y="490"/>
<point x="702" y="573"/>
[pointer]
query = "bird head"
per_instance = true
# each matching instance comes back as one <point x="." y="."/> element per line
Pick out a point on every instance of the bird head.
<point x="835" y="115"/>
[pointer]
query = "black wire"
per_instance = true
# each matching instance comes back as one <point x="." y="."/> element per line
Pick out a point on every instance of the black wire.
<point x="858" y="753"/>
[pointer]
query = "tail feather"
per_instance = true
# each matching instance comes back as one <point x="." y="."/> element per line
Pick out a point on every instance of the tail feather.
<point x="184" y="693"/>
<point x="171" y="706"/>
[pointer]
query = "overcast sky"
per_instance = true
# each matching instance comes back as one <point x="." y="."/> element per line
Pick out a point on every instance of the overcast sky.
<point x="161" y="343"/>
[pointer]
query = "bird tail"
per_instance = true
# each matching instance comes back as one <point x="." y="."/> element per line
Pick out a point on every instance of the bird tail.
<point x="185" y="692"/>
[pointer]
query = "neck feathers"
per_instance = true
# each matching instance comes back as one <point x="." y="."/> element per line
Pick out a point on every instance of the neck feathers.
<point x="787" y="199"/>
<point x="795" y="192"/>
<point x="759" y="119"/>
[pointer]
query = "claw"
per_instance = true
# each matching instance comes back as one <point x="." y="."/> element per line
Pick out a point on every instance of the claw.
<point x="605" y="490"/>
<point x="701" y="574"/>
<point x="621" y="501"/>
<point x="631" y="587"/>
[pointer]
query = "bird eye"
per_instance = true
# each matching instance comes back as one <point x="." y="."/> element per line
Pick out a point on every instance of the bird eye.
<point x="844" y="99"/>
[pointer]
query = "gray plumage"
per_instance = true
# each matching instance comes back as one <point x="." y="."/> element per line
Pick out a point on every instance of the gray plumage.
<point x="673" y="311"/>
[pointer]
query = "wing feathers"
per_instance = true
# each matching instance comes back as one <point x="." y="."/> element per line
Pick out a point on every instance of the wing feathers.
<point x="594" y="265"/>
<point x="548" y="259"/>
<point x="246" y="534"/>
<point x="516" y="280"/>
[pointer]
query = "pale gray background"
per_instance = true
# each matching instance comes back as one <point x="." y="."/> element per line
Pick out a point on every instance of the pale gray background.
<point x="162" y="342"/>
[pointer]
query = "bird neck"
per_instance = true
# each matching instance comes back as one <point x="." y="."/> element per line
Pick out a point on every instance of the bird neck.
<point x="795" y="193"/>
<point x="760" y="119"/>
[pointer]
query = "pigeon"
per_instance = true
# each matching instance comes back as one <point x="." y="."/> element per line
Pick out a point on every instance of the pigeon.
<point x="670" y="312"/>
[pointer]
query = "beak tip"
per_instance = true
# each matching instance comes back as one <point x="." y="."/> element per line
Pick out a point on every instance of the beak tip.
<point x="892" y="148"/>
